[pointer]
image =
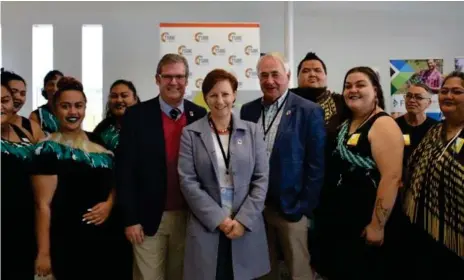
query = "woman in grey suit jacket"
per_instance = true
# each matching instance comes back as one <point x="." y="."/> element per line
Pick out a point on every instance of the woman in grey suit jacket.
<point x="223" y="173"/>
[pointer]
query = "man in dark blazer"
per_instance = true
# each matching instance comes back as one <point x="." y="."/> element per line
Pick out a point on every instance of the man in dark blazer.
<point x="147" y="181"/>
<point x="295" y="138"/>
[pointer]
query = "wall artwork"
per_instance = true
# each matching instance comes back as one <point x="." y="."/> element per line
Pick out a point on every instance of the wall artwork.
<point x="459" y="64"/>
<point x="404" y="72"/>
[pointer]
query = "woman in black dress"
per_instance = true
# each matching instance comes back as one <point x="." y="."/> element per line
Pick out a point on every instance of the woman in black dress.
<point x="18" y="89"/>
<point x="18" y="241"/>
<point x="122" y="95"/>
<point x="44" y="115"/>
<point x="73" y="184"/>
<point x="356" y="223"/>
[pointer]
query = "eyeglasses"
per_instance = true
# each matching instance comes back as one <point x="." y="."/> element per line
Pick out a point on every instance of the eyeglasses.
<point x="455" y="91"/>
<point x="169" y="78"/>
<point x="415" y="97"/>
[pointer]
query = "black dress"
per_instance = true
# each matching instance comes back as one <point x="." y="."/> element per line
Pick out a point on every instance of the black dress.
<point x="18" y="239"/>
<point x="108" y="132"/>
<point x="47" y="120"/>
<point x="84" y="169"/>
<point x="347" y="203"/>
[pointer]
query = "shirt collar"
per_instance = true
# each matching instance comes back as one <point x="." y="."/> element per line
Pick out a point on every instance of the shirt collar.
<point x="166" y="108"/>
<point x="277" y="103"/>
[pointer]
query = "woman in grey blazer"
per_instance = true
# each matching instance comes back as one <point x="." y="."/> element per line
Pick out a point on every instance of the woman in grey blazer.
<point x="223" y="171"/>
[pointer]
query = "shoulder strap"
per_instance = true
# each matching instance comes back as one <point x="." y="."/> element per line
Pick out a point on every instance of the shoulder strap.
<point x="22" y="134"/>
<point x="26" y="124"/>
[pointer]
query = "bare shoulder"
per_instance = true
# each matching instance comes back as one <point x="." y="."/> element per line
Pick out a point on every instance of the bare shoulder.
<point x="385" y="128"/>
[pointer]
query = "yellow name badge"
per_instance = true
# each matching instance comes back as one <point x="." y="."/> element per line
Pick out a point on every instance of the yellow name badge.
<point x="458" y="146"/>
<point x="353" y="141"/>
<point x="407" y="139"/>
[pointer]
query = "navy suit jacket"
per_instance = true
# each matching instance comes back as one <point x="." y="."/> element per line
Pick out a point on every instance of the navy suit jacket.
<point x="297" y="160"/>
<point x="141" y="177"/>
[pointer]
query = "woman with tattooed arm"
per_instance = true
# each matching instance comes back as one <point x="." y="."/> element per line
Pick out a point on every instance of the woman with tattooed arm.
<point x="357" y="221"/>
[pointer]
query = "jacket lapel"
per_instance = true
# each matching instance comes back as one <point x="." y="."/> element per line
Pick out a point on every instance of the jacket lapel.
<point x="288" y="113"/>
<point x="156" y="131"/>
<point x="207" y="139"/>
<point x="235" y="144"/>
<point x="253" y="112"/>
<point x="191" y="112"/>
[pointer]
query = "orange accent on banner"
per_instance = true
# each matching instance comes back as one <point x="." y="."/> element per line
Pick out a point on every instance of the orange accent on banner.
<point x="210" y="24"/>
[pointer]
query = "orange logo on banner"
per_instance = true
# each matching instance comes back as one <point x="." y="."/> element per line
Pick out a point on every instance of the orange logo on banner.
<point x="199" y="83"/>
<point x="249" y="73"/>
<point x="200" y="37"/>
<point x="200" y="60"/>
<point x="217" y="50"/>
<point x="183" y="50"/>
<point x="249" y="50"/>
<point x="233" y="37"/>
<point x="234" y="60"/>
<point x="165" y="37"/>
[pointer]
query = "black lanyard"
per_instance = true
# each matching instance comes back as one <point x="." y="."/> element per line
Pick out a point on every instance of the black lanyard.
<point x="275" y="116"/>
<point x="224" y="156"/>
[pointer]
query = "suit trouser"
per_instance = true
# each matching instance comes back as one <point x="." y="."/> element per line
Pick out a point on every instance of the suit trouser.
<point x="161" y="257"/>
<point x="293" y="238"/>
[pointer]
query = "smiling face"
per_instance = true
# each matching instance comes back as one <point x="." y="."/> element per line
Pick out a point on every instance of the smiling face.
<point x="7" y="105"/>
<point x="172" y="81"/>
<point x="272" y="78"/>
<point x="120" y="98"/>
<point x="417" y="100"/>
<point x="451" y="98"/>
<point x="359" y="93"/>
<point x="18" y="91"/>
<point x="220" y="99"/>
<point x="51" y="88"/>
<point x="70" y="110"/>
<point x="312" y="75"/>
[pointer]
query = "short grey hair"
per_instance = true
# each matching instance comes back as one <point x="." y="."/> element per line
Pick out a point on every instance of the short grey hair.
<point x="172" y="58"/>
<point x="279" y="57"/>
<point x="423" y="86"/>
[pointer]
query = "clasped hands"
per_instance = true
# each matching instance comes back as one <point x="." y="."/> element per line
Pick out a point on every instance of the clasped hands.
<point x="233" y="229"/>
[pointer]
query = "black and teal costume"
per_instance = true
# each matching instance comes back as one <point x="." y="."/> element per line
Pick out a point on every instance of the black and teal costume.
<point x="109" y="133"/>
<point x="85" y="178"/>
<point x="18" y="232"/>
<point x="47" y="120"/>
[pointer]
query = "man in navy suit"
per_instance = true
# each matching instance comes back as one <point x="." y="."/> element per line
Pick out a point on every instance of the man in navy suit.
<point x="147" y="182"/>
<point x="295" y="138"/>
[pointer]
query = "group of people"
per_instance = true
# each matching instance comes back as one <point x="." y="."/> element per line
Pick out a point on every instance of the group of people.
<point x="166" y="189"/>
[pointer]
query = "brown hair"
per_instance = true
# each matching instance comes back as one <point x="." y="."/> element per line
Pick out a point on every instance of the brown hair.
<point x="215" y="76"/>
<point x="68" y="83"/>
<point x="172" y="58"/>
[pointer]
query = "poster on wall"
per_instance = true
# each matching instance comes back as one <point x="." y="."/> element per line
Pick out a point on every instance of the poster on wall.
<point x="404" y="72"/>
<point x="459" y="64"/>
<point x="233" y="47"/>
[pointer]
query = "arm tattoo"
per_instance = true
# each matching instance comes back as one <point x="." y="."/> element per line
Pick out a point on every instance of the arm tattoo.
<point x="381" y="213"/>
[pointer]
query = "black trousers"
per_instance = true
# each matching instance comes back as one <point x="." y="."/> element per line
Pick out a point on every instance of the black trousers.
<point x="224" y="270"/>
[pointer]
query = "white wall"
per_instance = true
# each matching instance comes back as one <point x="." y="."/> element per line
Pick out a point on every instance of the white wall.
<point x="344" y="34"/>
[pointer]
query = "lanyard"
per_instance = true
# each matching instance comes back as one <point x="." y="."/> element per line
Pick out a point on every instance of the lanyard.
<point x="273" y="119"/>
<point x="224" y="156"/>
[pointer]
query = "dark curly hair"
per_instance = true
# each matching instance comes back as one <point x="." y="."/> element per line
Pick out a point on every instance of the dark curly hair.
<point x="68" y="83"/>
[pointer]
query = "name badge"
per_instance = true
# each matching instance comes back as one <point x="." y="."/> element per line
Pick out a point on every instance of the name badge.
<point x="459" y="144"/>
<point x="407" y="139"/>
<point x="353" y="141"/>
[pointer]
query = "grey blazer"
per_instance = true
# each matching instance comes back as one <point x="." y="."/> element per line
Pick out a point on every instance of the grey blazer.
<point x="198" y="173"/>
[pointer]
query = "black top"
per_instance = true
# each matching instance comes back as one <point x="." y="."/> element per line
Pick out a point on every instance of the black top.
<point x="17" y="208"/>
<point x="26" y="124"/>
<point x="413" y="135"/>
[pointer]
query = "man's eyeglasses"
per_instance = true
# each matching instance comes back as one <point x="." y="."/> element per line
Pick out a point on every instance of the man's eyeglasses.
<point x="416" y="97"/>
<point x="455" y="91"/>
<point x="169" y="78"/>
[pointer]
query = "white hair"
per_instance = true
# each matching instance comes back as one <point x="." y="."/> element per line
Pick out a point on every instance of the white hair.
<point x="279" y="57"/>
